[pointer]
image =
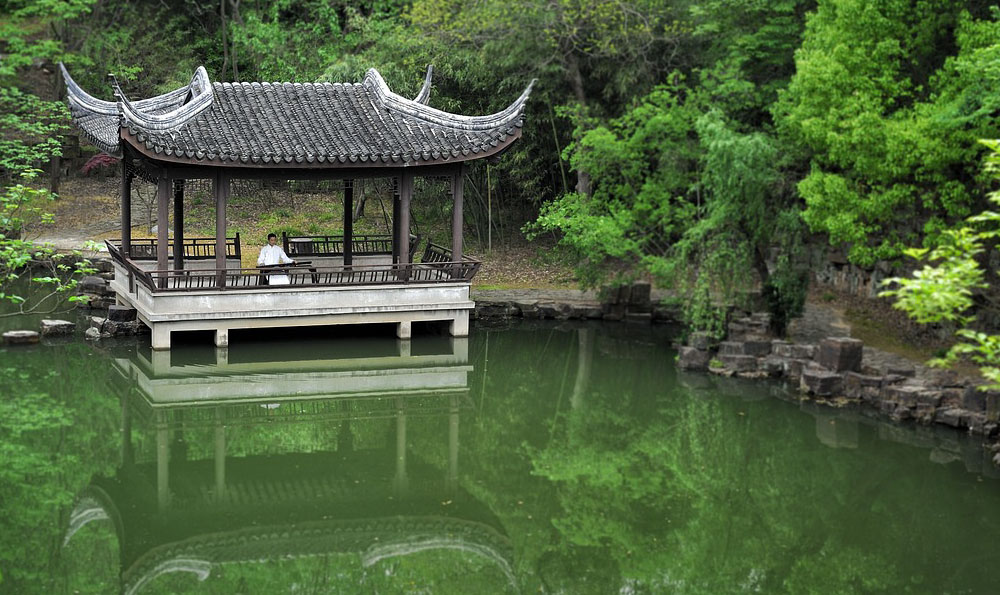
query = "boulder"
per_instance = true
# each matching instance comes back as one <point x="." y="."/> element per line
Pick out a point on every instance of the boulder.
<point x="50" y="328"/>
<point x="793" y="367"/>
<point x="639" y="298"/>
<point x="690" y="358"/>
<point x="949" y="417"/>
<point x="559" y="311"/>
<point x="92" y="334"/>
<point x="840" y="354"/>
<point x="793" y="350"/>
<point x="639" y="317"/>
<point x="822" y="383"/>
<point x="739" y="363"/>
<point x="700" y="340"/>
<point x="862" y="386"/>
<point x="118" y="313"/>
<point x="731" y="348"/>
<point x="756" y="346"/>
<point x="772" y="365"/>
<point x="92" y="284"/>
<point x="20" y="337"/>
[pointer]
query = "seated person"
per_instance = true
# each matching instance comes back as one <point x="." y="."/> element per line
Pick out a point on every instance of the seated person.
<point x="272" y="255"/>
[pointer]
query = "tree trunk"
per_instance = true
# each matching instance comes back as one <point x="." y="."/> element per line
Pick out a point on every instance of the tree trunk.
<point x="576" y="83"/>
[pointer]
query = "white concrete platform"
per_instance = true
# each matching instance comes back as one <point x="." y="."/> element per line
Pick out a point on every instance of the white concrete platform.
<point x="223" y="310"/>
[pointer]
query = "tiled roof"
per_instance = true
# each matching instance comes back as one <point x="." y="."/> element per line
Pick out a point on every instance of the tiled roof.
<point x="292" y="125"/>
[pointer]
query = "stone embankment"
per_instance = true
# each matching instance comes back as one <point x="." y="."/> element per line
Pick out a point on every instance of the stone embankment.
<point x="637" y="303"/>
<point x="840" y="371"/>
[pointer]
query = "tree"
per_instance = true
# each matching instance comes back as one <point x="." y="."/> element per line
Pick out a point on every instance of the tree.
<point x="885" y="106"/>
<point x="949" y="286"/>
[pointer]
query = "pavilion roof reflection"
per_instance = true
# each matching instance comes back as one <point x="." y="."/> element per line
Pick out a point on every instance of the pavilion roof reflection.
<point x="208" y="477"/>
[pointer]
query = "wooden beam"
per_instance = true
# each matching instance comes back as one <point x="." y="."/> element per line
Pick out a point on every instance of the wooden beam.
<point x="126" y="195"/>
<point x="457" y="194"/>
<point x="178" y="224"/>
<point x="348" y="222"/>
<point x="221" y="191"/>
<point x="163" y="184"/>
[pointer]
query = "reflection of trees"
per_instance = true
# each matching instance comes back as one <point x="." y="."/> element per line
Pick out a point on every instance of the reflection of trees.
<point x="58" y="427"/>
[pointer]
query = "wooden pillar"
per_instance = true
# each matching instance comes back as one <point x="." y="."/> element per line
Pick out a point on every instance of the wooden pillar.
<point x="220" y="455"/>
<point x="162" y="462"/>
<point x="405" y="194"/>
<point x="126" y="208"/>
<point x="457" y="192"/>
<point x="178" y="224"/>
<point x="162" y="226"/>
<point x="400" y="481"/>
<point x="220" y="188"/>
<point x="395" y="220"/>
<point x="452" y="479"/>
<point x="348" y="222"/>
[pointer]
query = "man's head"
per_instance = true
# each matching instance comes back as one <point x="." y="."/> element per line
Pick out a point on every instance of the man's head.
<point x="272" y="239"/>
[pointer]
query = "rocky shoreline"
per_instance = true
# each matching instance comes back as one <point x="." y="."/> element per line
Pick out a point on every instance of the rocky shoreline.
<point x="839" y="371"/>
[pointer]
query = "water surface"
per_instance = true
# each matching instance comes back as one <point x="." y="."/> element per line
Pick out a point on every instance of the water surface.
<point x="566" y="458"/>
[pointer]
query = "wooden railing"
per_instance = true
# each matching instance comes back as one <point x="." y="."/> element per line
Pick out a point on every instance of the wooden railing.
<point x="134" y="272"/>
<point x="435" y="253"/>
<point x="299" y="274"/>
<point x="194" y="248"/>
<point x="361" y="245"/>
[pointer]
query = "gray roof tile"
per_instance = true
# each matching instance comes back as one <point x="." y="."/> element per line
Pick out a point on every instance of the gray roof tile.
<point x="273" y="124"/>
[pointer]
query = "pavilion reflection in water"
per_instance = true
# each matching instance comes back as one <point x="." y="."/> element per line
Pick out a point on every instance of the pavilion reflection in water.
<point x="184" y="501"/>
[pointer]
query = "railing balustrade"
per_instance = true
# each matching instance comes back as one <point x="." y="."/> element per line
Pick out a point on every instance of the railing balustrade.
<point x="300" y="274"/>
<point x="361" y="245"/>
<point x="194" y="248"/>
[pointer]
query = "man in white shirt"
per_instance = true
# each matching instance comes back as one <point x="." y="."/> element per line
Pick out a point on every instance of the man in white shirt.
<point x="271" y="255"/>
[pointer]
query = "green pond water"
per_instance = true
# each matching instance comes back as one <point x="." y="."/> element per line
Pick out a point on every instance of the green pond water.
<point x="559" y="458"/>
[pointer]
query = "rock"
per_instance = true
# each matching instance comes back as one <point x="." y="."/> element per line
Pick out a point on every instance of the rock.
<point x="529" y="310"/>
<point x="905" y="370"/>
<point x="731" y="348"/>
<point x="121" y="313"/>
<point x="949" y="417"/>
<point x="559" y="311"/>
<point x="905" y="394"/>
<point x="772" y="365"/>
<point x="862" y="386"/>
<point x="587" y="311"/>
<point x="700" y="340"/>
<point x="691" y="358"/>
<point x="92" y="334"/>
<point x="51" y="328"/>
<point x="840" y="354"/>
<point x="757" y="346"/>
<point x="92" y="284"/>
<point x="639" y="317"/>
<point x="821" y="383"/>
<point x="996" y="459"/>
<point x="974" y="399"/>
<point x="614" y="312"/>
<point x="665" y="314"/>
<point x="793" y="350"/>
<point x="96" y="322"/>
<point x="639" y="298"/>
<point x="20" y="337"/>
<point x="793" y="367"/>
<point x="739" y="363"/>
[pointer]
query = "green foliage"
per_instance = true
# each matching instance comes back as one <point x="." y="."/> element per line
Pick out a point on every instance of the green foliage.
<point x="946" y="288"/>
<point x="887" y="112"/>
<point x="20" y="206"/>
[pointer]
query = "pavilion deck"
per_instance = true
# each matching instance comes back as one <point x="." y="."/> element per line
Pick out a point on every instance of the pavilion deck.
<point x="320" y="292"/>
